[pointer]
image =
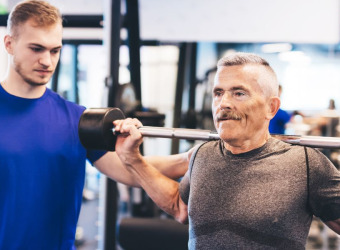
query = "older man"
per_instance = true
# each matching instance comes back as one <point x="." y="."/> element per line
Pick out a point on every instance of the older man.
<point x="246" y="190"/>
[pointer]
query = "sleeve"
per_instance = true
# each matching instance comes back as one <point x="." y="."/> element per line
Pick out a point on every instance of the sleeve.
<point x="93" y="155"/>
<point x="324" y="186"/>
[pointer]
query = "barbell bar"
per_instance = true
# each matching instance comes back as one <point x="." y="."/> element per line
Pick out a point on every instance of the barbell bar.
<point x="96" y="131"/>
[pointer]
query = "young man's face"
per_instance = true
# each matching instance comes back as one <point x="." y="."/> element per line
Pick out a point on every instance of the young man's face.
<point x="35" y="52"/>
<point x="240" y="108"/>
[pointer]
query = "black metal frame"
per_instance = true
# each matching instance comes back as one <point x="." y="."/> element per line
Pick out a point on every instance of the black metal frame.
<point x="111" y="194"/>
<point x="78" y="21"/>
<point x="186" y="76"/>
<point x="132" y="24"/>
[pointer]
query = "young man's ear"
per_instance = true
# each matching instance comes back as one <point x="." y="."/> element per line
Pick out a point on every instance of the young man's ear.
<point x="273" y="107"/>
<point x="8" y="42"/>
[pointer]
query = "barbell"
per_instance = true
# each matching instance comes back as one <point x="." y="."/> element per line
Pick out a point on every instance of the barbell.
<point x="96" y="131"/>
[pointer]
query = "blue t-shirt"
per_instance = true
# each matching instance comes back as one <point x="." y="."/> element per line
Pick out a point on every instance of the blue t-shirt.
<point x="42" y="171"/>
<point x="278" y="123"/>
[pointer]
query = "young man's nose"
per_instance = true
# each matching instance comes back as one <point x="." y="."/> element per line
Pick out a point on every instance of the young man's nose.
<point x="45" y="59"/>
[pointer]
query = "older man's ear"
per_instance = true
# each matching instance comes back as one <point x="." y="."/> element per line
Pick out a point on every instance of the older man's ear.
<point x="273" y="107"/>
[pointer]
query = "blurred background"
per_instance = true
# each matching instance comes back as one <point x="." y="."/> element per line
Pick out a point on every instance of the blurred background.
<point x="156" y="61"/>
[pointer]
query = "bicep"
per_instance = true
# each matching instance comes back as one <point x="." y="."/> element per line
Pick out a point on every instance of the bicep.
<point x="172" y="166"/>
<point x="110" y="165"/>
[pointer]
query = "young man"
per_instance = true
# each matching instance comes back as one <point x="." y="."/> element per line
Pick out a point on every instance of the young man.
<point x="42" y="162"/>
<point x="247" y="190"/>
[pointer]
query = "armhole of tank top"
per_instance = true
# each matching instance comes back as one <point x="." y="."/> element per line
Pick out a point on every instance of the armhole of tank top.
<point x="307" y="172"/>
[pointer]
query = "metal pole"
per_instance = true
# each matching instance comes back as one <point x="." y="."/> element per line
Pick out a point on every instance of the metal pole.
<point x="132" y="21"/>
<point x="179" y="92"/>
<point x="206" y="135"/>
<point x="112" y="41"/>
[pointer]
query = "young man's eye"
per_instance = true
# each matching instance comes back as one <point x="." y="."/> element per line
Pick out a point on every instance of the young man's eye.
<point x="55" y="51"/>
<point x="36" y="49"/>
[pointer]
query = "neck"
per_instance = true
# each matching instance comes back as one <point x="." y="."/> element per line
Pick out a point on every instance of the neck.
<point x="239" y="147"/>
<point x="20" y="88"/>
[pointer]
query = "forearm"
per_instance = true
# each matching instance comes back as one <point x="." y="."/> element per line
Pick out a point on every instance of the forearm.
<point x="173" y="167"/>
<point x="161" y="189"/>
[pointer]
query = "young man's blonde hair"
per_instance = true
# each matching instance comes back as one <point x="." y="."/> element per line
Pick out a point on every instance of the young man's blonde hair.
<point x="40" y="12"/>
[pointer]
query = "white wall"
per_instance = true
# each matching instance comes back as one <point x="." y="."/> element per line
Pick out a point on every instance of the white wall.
<point x="298" y="21"/>
<point x="158" y="73"/>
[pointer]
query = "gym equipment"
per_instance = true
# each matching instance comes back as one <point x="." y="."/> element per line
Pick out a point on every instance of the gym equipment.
<point x="96" y="132"/>
<point x="152" y="234"/>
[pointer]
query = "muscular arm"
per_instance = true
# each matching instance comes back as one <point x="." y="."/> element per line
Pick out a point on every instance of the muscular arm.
<point x="173" y="166"/>
<point x="111" y="166"/>
<point x="161" y="189"/>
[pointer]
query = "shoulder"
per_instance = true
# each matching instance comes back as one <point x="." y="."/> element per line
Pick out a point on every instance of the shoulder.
<point x="209" y="145"/>
<point x="277" y="145"/>
<point x="61" y="103"/>
<point x="210" y="151"/>
<point x="319" y="162"/>
<point x="203" y="151"/>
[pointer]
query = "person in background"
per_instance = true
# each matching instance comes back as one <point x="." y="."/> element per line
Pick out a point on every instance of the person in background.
<point x="247" y="190"/>
<point x="42" y="162"/>
<point x="277" y="125"/>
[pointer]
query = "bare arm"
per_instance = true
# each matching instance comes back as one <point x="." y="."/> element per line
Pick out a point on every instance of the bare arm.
<point x="172" y="166"/>
<point x="161" y="189"/>
<point x="110" y="165"/>
<point x="334" y="225"/>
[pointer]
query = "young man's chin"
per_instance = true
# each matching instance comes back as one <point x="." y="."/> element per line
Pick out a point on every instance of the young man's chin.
<point x="38" y="83"/>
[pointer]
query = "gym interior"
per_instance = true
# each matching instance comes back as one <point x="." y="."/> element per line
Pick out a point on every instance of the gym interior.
<point x="156" y="61"/>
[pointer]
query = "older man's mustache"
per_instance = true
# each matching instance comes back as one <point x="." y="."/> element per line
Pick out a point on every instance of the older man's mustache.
<point x="228" y="115"/>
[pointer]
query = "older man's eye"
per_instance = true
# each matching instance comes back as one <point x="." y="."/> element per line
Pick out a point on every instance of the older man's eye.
<point x="217" y="93"/>
<point x="239" y="93"/>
